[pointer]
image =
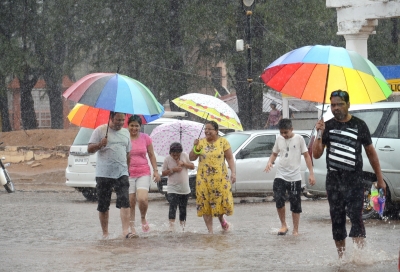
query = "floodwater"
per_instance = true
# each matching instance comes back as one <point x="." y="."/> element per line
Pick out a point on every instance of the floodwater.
<point x="50" y="230"/>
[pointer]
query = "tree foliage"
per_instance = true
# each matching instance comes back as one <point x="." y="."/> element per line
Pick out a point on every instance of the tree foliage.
<point x="171" y="46"/>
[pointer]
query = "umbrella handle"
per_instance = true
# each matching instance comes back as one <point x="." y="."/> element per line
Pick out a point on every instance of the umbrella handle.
<point x="204" y="124"/>
<point x="319" y="134"/>
<point x="108" y="124"/>
<point x="201" y="131"/>
<point x="323" y="102"/>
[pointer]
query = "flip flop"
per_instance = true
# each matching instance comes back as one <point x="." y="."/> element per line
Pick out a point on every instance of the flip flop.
<point x="283" y="232"/>
<point x="225" y="225"/>
<point x="145" y="227"/>
<point x="131" y="235"/>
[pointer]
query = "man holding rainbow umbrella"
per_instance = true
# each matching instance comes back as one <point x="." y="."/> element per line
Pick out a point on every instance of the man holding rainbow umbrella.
<point x="329" y="74"/>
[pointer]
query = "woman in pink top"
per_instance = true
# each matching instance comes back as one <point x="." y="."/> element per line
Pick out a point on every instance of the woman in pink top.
<point x="273" y="118"/>
<point x="139" y="171"/>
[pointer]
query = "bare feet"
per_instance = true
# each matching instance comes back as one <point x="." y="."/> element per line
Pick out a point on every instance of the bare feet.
<point x="183" y="223"/>
<point x="341" y="247"/>
<point x="171" y="226"/>
<point x="295" y="233"/>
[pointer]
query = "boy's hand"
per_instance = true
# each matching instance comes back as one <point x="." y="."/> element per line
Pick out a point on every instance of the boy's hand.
<point x="177" y="169"/>
<point x="268" y="167"/>
<point x="311" y="179"/>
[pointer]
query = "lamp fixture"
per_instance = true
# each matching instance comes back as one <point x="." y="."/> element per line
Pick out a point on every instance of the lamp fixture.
<point x="248" y="3"/>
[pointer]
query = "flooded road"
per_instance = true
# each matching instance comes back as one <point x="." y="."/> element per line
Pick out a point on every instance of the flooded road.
<point x="58" y="230"/>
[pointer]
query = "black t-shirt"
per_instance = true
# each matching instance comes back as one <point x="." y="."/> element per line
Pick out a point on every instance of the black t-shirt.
<point x="344" y="141"/>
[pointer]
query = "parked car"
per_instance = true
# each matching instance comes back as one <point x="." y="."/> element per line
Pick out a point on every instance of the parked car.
<point x="382" y="120"/>
<point x="80" y="171"/>
<point x="251" y="151"/>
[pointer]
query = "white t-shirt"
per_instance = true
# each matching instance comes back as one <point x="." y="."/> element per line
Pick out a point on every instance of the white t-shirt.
<point x="290" y="152"/>
<point x="178" y="182"/>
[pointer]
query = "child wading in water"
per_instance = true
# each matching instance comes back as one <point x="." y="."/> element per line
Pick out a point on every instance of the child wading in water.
<point x="176" y="167"/>
<point x="290" y="147"/>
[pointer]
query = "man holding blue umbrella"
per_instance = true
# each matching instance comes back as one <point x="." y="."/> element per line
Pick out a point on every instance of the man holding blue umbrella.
<point x="112" y="170"/>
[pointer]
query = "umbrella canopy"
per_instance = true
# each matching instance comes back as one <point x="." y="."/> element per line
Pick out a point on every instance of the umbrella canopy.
<point x="209" y="108"/>
<point x="90" y="117"/>
<point x="114" y="92"/>
<point x="313" y="72"/>
<point x="184" y="132"/>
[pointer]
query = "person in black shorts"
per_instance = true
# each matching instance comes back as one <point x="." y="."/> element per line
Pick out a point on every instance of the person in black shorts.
<point x="112" y="145"/>
<point x="344" y="135"/>
<point x="290" y="147"/>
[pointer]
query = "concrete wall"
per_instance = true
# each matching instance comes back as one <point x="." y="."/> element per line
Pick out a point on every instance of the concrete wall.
<point x="17" y="154"/>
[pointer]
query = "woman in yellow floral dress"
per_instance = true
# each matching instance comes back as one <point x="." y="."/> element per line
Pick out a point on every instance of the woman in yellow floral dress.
<point x="213" y="186"/>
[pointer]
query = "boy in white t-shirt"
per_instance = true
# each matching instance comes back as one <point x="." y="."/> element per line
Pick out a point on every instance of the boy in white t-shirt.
<point x="176" y="167"/>
<point x="290" y="147"/>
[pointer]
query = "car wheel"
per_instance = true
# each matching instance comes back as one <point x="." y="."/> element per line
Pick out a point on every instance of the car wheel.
<point x="309" y="195"/>
<point x="90" y="194"/>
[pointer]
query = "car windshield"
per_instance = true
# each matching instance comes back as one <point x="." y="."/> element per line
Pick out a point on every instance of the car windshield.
<point x="236" y="139"/>
<point x="83" y="136"/>
<point x="148" y="128"/>
<point x="371" y="118"/>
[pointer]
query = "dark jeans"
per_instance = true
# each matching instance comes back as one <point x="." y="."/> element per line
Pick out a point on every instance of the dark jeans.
<point x="176" y="200"/>
<point x="338" y="201"/>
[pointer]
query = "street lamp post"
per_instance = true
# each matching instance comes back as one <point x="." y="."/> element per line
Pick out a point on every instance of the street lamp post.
<point x="249" y="5"/>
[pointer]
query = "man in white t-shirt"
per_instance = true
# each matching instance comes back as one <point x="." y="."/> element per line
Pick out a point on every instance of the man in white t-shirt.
<point x="290" y="147"/>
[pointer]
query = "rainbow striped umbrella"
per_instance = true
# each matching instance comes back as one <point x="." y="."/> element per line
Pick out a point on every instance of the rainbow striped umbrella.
<point x="114" y="92"/>
<point x="313" y="72"/>
<point x="90" y="117"/>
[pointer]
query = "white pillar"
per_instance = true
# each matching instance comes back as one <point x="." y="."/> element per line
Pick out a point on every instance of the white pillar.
<point x="358" y="43"/>
<point x="285" y="107"/>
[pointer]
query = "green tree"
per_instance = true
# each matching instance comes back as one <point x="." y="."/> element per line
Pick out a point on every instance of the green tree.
<point x="64" y="33"/>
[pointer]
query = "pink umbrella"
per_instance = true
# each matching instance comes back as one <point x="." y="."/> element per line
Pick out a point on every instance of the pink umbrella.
<point x="184" y="132"/>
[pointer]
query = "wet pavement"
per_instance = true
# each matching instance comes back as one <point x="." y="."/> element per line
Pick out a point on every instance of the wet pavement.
<point x="58" y="230"/>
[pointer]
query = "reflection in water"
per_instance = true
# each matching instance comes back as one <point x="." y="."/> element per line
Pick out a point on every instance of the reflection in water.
<point x="62" y="233"/>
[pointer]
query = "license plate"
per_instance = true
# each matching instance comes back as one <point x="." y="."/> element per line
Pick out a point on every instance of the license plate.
<point x="165" y="188"/>
<point x="83" y="160"/>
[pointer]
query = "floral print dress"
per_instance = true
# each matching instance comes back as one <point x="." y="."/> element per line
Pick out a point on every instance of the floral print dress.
<point x="213" y="187"/>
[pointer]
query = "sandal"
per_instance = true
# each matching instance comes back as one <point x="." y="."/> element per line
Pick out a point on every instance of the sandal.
<point x="225" y="225"/>
<point x="283" y="232"/>
<point x="145" y="227"/>
<point x="131" y="235"/>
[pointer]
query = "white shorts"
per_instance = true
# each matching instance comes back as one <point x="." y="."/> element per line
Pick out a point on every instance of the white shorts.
<point x="139" y="183"/>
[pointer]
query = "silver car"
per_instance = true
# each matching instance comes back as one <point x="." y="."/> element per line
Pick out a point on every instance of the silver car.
<point x="382" y="120"/>
<point x="251" y="151"/>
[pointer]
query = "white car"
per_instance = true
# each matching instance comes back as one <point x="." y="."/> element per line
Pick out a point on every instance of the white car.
<point x="80" y="172"/>
<point x="251" y="151"/>
<point x="382" y="120"/>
